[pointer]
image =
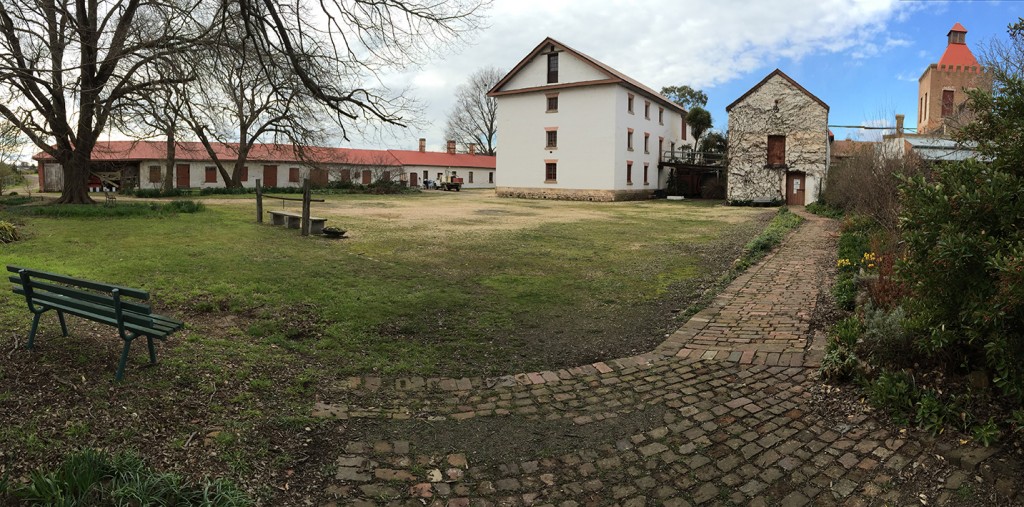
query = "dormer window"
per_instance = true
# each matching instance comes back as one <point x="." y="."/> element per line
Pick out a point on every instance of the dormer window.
<point x="552" y="67"/>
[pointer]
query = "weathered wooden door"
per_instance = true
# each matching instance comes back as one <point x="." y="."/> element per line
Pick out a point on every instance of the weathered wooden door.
<point x="367" y="177"/>
<point x="795" y="188"/>
<point x="184" y="179"/>
<point x="413" y="180"/>
<point x="318" y="178"/>
<point x="270" y="176"/>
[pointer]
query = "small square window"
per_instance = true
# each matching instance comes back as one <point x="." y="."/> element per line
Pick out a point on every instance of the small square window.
<point x="552" y="136"/>
<point x="211" y="175"/>
<point x="293" y="175"/>
<point x="550" y="172"/>
<point x="552" y="103"/>
<point x="154" y="174"/>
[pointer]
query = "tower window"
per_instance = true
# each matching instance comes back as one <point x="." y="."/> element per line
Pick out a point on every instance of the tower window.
<point x="947" y="103"/>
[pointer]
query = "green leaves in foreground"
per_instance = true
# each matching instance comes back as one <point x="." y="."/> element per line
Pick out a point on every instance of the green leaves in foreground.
<point x="90" y="477"/>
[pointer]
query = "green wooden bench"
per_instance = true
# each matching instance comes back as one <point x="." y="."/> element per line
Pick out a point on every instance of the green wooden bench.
<point x="113" y="305"/>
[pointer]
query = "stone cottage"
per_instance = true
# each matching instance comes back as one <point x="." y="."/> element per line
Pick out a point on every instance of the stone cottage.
<point x="778" y="143"/>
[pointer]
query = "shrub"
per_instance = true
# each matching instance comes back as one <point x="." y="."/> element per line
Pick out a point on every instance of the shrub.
<point x="884" y="338"/>
<point x="8" y="232"/>
<point x="866" y="184"/>
<point x="152" y="193"/>
<point x="184" y="206"/>
<point x="845" y="291"/>
<point x="91" y="477"/>
<point x="894" y="393"/>
<point x="840" y="362"/>
<point x="821" y="209"/>
<point x="713" y="189"/>
<point x="932" y="414"/>
<point x="965" y="265"/>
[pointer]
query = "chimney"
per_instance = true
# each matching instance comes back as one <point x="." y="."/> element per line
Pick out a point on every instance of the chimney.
<point x="472" y="149"/>
<point x="423" y="145"/>
<point x="451" y="147"/>
<point x="899" y="125"/>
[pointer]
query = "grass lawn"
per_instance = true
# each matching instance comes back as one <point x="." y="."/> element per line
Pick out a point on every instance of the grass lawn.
<point x="434" y="284"/>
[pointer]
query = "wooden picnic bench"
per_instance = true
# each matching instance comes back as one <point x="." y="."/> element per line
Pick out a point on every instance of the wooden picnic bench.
<point x="294" y="221"/>
<point x="113" y="305"/>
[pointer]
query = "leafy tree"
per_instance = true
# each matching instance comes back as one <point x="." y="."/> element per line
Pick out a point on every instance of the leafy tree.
<point x="473" y="119"/>
<point x="965" y="247"/>
<point x="685" y="96"/>
<point x="67" y="68"/>
<point x="714" y="141"/>
<point x="699" y="120"/>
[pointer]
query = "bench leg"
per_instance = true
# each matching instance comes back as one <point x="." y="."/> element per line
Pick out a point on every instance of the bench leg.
<point x="124" y="361"/>
<point x="152" y="350"/>
<point x="63" y="326"/>
<point x="32" y="333"/>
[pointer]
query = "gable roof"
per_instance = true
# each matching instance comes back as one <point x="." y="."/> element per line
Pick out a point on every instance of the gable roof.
<point x="614" y="77"/>
<point x="774" y="73"/>
<point x="136" y="151"/>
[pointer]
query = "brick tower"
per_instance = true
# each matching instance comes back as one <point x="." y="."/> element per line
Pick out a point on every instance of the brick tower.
<point x="941" y="89"/>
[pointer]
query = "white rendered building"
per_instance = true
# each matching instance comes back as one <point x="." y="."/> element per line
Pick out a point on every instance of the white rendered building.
<point x="571" y="127"/>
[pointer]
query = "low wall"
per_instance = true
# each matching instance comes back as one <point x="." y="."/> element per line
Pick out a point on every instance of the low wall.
<point x="568" y="194"/>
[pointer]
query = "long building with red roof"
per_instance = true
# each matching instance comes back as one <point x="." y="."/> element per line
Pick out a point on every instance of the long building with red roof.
<point x="142" y="164"/>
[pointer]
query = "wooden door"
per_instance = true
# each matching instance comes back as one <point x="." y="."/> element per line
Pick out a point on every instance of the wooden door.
<point x="318" y="178"/>
<point x="270" y="176"/>
<point x="367" y="177"/>
<point x="183" y="177"/>
<point x="412" y="180"/>
<point x="796" y="183"/>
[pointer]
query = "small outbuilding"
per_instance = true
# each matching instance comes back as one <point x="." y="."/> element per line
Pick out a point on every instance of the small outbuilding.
<point x="778" y="143"/>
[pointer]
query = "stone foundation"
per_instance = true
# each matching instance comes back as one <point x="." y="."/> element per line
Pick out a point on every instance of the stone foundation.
<point x="569" y="194"/>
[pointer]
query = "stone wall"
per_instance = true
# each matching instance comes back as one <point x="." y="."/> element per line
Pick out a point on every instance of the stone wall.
<point x="567" y="194"/>
<point x="777" y="107"/>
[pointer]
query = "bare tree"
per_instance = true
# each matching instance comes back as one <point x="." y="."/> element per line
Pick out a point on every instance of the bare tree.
<point x="66" y="68"/>
<point x="473" y="119"/>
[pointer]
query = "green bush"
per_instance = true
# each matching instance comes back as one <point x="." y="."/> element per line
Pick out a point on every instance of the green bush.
<point x="821" y="209"/>
<point x="987" y="433"/>
<point x="845" y="291"/>
<point x="152" y="193"/>
<point x="932" y="414"/>
<point x="91" y="477"/>
<point x="131" y="209"/>
<point x="965" y="268"/>
<point x="841" y="362"/>
<point x="896" y="394"/>
<point x="885" y="339"/>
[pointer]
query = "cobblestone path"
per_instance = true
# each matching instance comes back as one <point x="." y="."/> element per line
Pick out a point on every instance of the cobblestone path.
<point x="718" y="414"/>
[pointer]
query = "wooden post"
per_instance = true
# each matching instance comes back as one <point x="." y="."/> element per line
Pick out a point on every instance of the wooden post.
<point x="305" y="206"/>
<point x="259" y="202"/>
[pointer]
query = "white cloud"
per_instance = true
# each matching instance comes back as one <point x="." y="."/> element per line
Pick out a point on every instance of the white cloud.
<point x="660" y="42"/>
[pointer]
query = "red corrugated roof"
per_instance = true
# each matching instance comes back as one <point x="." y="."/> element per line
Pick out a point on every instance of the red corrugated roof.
<point x="441" y="159"/>
<point x="133" y="151"/>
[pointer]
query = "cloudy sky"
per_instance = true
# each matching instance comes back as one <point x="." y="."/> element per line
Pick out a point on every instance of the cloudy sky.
<point x="863" y="58"/>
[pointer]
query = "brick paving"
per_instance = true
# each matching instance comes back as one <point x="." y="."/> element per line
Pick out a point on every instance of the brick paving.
<point x="734" y="425"/>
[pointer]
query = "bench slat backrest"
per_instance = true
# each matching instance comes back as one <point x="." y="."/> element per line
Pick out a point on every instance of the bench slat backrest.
<point x="85" y="284"/>
<point x="71" y="292"/>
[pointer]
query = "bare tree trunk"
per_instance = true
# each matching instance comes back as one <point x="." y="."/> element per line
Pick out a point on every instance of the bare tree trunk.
<point x="172" y="148"/>
<point x="76" y="179"/>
